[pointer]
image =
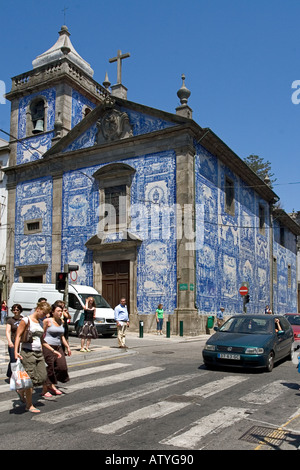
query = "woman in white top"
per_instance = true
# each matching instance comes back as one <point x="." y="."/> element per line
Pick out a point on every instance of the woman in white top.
<point x="31" y="354"/>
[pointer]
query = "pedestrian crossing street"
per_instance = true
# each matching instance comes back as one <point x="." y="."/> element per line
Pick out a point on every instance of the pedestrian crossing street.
<point x="198" y="388"/>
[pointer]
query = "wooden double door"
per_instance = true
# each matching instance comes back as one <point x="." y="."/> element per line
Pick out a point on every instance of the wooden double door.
<point x="115" y="281"/>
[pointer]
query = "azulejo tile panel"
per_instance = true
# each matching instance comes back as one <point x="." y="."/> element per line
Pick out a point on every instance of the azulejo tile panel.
<point x="34" y="201"/>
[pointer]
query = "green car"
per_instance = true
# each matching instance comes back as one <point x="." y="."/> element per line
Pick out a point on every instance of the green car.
<point x="250" y="341"/>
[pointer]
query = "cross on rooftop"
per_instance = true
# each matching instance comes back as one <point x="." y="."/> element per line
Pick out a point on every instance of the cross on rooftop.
<point x="64" y="10"/>
<point x="119" y="59"/>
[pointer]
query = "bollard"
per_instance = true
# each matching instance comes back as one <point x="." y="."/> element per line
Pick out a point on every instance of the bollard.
<point x="181" y="328"/>
<point x="141" y="329"/>
<point x="168" y="329"/>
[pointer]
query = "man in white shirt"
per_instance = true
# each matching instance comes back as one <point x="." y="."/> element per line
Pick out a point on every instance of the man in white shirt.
<point x="122" y="319"/>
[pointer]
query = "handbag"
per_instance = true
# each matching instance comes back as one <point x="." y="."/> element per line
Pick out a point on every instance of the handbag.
<point x="26" y="336"/>
<point x="19" y="378"/>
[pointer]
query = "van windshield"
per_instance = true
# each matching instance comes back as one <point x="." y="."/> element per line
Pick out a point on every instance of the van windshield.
<point x="99" y="300"/>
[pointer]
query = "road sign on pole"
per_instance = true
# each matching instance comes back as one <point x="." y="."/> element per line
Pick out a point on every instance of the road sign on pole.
<point x="243" y="290"/>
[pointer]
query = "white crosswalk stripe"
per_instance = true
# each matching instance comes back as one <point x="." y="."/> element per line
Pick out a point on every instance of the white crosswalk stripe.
<point x="112" y="379"/>
<point x="265" y="394"/>
<point x="219" y="420"/>
<point x="157" y="410"/>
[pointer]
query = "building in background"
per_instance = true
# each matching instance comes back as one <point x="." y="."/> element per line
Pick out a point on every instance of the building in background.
<point x="149" y="204"/>
<point x="4" y="230"/>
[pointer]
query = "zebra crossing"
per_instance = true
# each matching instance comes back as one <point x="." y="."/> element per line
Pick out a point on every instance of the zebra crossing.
<point x="199" y="387"/>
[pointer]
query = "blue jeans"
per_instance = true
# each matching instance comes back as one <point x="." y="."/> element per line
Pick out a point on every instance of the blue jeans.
<point x="160" y="324"/>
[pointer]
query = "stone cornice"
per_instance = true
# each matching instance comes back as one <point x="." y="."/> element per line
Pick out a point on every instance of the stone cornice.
<point x="57" y="72"/>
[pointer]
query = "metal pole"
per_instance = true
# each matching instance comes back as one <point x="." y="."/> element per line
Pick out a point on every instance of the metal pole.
<point x="141" y="329"/>
<point x="168" y="329"/>
<point x="66" y="291"/>
<point x="181" y="328"/>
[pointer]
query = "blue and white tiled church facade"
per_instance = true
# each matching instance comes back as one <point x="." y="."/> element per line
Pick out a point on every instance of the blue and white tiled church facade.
<point x="232" y="249"/>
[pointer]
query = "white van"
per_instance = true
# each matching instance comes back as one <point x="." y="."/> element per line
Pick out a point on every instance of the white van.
<point x="27" y="295"/>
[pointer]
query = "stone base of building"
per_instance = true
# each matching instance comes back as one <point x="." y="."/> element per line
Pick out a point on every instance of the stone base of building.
<point x="193" y="323"/>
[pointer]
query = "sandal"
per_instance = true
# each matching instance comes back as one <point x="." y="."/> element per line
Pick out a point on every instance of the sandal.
<point x="33" y="410"/>
<point x="46" y="395"/>
<point x="55" y="392"/>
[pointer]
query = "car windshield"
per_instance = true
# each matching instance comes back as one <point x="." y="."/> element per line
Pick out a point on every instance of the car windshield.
<point x="99" y="300"/>
<point x="293" y="319"/>
<point x="248" y="325"/>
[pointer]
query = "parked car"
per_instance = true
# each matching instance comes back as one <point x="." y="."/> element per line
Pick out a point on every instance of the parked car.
<point x="250" y="341"/>
<point x="294" y="319"/>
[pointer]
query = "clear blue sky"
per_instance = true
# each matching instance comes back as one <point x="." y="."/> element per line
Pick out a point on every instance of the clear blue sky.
<point x="240" y="58"/>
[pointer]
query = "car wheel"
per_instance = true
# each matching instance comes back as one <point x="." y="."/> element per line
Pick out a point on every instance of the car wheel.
<point x="270" y="362"/>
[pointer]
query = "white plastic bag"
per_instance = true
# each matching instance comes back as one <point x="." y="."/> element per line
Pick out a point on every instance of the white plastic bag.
<point x="19" y="378"/>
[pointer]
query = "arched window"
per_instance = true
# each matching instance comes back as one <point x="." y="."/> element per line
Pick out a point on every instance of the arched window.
<point x="36" y="117"/>
<point x="114" y="184"/>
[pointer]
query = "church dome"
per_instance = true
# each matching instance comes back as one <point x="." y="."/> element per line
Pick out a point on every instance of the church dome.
<point x="62" y="48"/>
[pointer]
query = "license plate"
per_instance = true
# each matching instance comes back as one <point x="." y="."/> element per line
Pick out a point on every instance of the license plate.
<point x="235" y="357"/>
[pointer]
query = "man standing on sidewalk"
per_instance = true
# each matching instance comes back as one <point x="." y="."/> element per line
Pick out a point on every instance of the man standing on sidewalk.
<point x="122" y="319"/>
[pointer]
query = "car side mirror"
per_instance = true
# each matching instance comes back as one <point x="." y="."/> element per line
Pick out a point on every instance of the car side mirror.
<point x="216" y="328"/>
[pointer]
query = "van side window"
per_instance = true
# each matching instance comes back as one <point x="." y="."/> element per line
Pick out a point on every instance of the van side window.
<point x="74" y="302"/>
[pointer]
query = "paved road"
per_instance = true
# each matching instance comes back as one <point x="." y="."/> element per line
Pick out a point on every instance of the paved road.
<point x="157" y="396"/>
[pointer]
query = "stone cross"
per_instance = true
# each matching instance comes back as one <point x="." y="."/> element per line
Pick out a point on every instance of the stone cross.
<point x="119" y="59"/>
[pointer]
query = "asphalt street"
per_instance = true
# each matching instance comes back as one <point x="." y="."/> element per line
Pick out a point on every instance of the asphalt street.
<point x="157" y="396"/>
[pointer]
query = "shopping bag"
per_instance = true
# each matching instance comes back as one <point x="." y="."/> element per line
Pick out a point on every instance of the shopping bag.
<point x="19" y="378"/>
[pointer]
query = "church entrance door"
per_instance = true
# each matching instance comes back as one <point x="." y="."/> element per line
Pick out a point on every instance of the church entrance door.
<point x="115" y="281"/>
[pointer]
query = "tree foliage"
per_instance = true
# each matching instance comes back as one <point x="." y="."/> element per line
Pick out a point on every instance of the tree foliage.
<point x="261" y="167"/>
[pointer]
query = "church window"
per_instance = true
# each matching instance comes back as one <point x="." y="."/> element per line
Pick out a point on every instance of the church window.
<point x="114" y="190"/>
<point x="289" y="276"/>
<point x="275" y="270"/>
<point x="36" y="117"/>
<point x="86" y="111"/>
<point x="282" y="235"/>
<point x="116" y="197"/>
<point x="229" y="196"/>
<point x="33" y="226"/>
<point x="262" y="217"/>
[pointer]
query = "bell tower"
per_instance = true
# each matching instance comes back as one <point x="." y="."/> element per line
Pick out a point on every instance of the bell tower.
<point x="49" y="100"/>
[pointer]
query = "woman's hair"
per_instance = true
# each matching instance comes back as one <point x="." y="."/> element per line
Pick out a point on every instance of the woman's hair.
<point x="43" y="307"/>
<point x="160" y="306"/>
<point x="93" y="301"/>
<point x="17" y="306"/>
<point x="57" y="303"/>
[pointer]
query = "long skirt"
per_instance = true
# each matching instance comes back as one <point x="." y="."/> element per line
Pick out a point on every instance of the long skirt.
<point x="57" y="370"/>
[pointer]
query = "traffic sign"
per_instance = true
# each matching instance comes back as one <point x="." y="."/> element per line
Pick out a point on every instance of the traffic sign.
<point x="243" y="290"/>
